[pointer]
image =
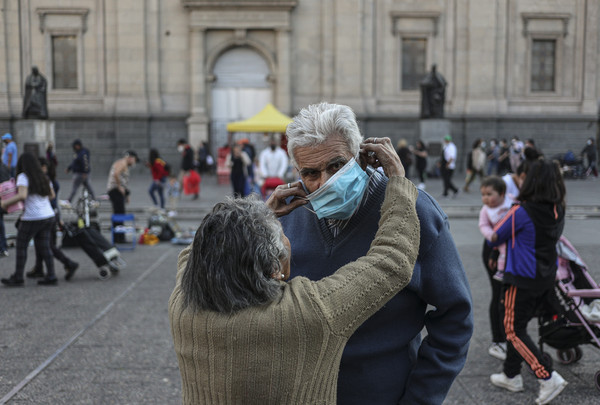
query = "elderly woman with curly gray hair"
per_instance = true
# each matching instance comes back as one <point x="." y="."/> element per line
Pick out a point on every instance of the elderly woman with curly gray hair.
<point x="243" y="335"/>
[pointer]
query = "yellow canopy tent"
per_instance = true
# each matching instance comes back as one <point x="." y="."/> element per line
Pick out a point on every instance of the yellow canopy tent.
<point x="268" y="120"/>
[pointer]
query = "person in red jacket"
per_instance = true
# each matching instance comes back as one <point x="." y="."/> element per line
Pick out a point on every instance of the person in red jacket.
<point x="160" y="172"/>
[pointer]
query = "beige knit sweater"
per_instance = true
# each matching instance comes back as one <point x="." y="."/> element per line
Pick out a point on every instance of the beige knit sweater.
<point x="289" y="351"/>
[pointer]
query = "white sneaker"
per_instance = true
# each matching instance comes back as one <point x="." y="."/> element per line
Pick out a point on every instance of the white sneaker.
<point x="550" y="388"/>
<point x="498" y="350"/>
<point x="514" y="384"/>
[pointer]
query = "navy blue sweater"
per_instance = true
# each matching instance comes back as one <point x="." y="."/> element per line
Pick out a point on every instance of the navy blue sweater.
<point x="385" y="361"/>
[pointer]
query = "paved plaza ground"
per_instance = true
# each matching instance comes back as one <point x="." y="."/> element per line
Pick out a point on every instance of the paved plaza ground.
<point x="108" y="342"/>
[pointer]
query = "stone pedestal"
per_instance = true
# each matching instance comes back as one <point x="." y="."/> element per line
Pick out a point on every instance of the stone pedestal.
<point x="33" y="136"/>
<point x="197" y="129"/>
<point x="432" y="133"/>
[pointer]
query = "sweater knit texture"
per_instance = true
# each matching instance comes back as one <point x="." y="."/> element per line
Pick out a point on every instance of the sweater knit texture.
<point x="288" y="351"/>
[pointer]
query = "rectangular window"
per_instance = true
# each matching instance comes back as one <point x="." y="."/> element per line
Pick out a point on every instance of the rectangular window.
<point x="543" y="60"/>
<point x="414" y="54"/>
<point x="64" y="62"/>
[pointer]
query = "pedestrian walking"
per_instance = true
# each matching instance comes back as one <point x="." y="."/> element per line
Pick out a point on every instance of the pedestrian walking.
<point x="4" y="176"/>
<point x="448" y="164"/>
<point x="516" y="153"/>
<point x="532" y="229"/>
<point x="160" y="172"/>
<point x="70" y="266"/>
<point x="493" y="154"/>
<point x="10" y="154"/>
<point x="504" y="158"/>
<point x="273" y="163"/>
<point x="475" y="163"/>
<point x="187" y="165"/>
<point x="173" y="192"/>
<point x="238" y="162"/>
<point x="80" y="166"/>
<point x="591" y="154"/>
<point x="420" y="152"/>
<point x="37" y="220"/>
<point x="405" y="155"/>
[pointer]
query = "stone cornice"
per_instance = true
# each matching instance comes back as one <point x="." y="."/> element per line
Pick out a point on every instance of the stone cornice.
<point x="564" y="17"/>
<point x="43" y="12"/>
<point x="240" y="4"/>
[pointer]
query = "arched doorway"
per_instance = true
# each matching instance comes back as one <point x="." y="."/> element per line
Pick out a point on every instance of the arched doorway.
<point x="241" y="90"/>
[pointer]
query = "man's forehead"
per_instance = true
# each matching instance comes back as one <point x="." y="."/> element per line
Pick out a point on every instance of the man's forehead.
<point x="324" y="153"/>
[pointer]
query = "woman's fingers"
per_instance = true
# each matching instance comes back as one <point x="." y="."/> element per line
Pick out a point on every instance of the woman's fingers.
<point x="277" y="202"/>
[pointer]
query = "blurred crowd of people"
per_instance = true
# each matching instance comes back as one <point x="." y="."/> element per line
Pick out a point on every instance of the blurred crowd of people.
<point x="492" y="157"/>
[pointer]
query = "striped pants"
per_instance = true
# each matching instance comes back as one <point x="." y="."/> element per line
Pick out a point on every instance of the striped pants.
<point x="520" y="307"/>
<point x="39" y="231"/>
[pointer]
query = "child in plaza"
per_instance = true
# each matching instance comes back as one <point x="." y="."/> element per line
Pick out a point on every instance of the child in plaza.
<point x="495" y="205"/>
<point x="532" y="227"/>
<point x="173" y="194"/>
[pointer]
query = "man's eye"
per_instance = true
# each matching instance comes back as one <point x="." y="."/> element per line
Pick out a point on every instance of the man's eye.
<point x="336" y="166"/>
<point x="310" y="175"/>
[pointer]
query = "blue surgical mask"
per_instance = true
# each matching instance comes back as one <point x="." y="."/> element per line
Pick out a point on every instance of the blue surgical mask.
<point x="340" y="196"/>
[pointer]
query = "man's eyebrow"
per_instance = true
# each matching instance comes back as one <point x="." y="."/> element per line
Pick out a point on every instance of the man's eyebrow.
<point x="333" y="161"/>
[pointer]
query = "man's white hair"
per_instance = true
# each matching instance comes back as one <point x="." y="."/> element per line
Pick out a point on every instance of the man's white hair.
<point x="316" y="123"/>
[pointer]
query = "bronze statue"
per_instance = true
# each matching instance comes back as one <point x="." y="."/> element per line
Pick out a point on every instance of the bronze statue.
<point x="433" y="94"/>
<point x="34" y="103"/>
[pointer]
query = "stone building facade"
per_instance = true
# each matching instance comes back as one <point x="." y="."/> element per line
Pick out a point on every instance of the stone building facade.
<point x="138" y="74"/>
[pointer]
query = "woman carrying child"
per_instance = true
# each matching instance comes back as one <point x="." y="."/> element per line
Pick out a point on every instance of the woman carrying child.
<point x="37" y="220"/>
<point x="531" y="229"/>
<point x="495" y="205"/>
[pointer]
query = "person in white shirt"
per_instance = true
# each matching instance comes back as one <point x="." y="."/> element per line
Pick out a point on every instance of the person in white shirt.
<point x="273" y="163"/>
<point x="448" y="165"/>
<point x="37" y="220"/>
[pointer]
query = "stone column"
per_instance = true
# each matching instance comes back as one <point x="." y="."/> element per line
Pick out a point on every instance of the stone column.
<point x="198" y="120"/>
<point x="283" y="96"/>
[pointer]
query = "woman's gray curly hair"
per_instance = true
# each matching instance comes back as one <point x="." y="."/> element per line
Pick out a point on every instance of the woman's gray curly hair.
<point x="236" y="249"/>
<point x="315" y="123"/>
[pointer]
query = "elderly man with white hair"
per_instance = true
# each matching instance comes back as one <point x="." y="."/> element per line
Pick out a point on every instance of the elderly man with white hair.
<point x="386" y="361"/>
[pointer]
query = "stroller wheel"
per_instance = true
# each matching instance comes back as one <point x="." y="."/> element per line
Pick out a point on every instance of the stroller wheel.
<point x="597" y="380"/>
<point x="567" y="356"/>
<point x="103" y="273"/>
<point x="578" y="353"/>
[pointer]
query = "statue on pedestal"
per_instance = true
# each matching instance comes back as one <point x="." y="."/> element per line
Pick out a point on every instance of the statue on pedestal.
<point x="433" y="94"/>
<point x="34" y="103"/>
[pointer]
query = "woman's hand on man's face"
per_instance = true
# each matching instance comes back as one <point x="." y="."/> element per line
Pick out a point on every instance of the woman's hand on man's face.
<point x="277" y="201"/>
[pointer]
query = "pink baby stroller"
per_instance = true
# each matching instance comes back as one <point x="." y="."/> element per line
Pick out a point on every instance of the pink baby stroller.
<point x="572" y="321"/>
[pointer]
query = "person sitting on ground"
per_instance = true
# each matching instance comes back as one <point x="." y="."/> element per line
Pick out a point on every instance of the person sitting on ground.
<point x="236" y="323"/>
